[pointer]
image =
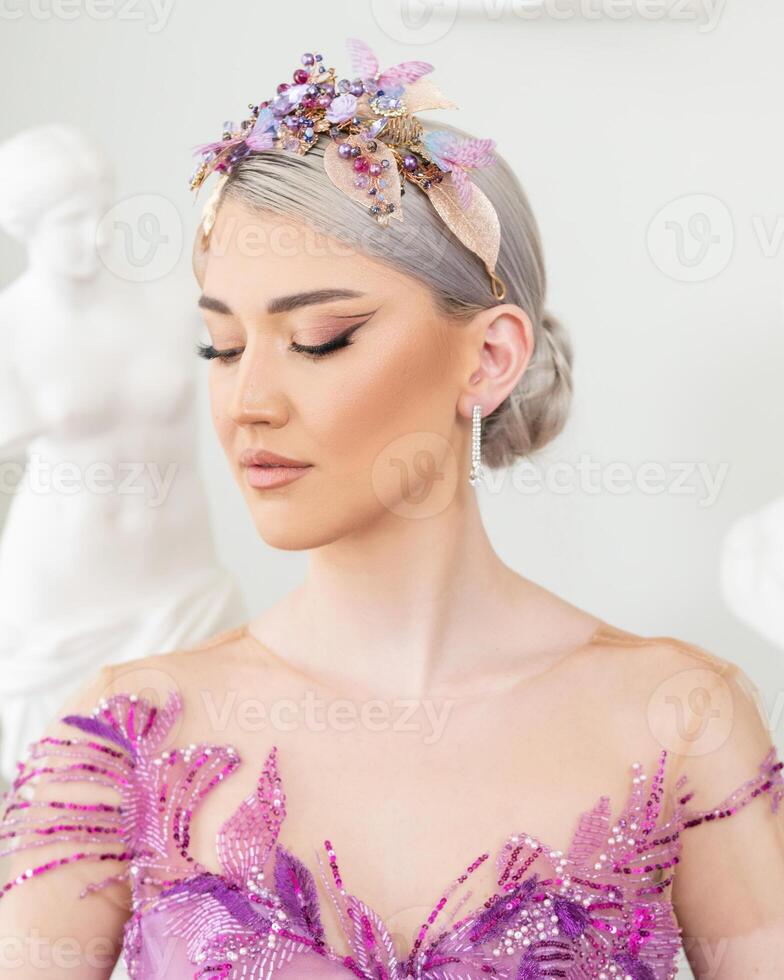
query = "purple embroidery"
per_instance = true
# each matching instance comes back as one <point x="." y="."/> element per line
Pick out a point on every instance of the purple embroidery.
<point x="633" y="967"/>
<point x="228" y="895"/>
<point x="96" y="727"/>
<point x="297" y="892"/>
<point x="600" y="908"/>
<point x="573" y="918"/>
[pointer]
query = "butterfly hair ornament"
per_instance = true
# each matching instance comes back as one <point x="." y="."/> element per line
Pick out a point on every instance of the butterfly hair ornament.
<point x="375" y="144"/>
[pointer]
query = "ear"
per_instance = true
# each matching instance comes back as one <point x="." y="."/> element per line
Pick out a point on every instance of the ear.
<point x="502" y="350"/>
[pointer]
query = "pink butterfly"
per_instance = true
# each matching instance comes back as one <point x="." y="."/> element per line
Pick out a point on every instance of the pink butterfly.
<point x="364" y="64"/>
<point x="455" y="154"/>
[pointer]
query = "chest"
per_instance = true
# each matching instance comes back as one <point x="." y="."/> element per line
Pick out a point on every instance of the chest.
<point x="521" y="904"/>
<point x="411" y="795"/>
<point x="384" y="853"/>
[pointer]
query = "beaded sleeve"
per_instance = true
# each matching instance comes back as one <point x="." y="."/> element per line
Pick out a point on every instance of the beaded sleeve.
<point x="146" y="821"/>
<point x="767" y="780"/>
<point x="41" y="808"/>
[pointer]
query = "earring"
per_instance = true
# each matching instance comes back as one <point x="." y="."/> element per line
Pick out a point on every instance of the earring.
<point x="477" y="472"/>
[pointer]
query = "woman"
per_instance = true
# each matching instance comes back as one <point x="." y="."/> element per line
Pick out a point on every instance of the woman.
<point x="436" y="768"/>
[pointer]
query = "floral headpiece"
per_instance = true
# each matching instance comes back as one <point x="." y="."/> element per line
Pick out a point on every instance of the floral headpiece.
<point x="375" y="144"/>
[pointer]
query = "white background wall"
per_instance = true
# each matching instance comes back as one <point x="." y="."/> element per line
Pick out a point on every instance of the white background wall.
<point x="607" y="119"/>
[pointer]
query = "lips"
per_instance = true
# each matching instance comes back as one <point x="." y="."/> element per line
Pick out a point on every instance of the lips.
<point x="263" y="457"/>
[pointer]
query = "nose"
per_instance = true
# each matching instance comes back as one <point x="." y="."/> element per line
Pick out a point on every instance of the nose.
<point x="255" y="398"/>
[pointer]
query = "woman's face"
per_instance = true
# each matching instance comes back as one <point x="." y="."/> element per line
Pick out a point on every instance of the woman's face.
<point x="376" y="419"/>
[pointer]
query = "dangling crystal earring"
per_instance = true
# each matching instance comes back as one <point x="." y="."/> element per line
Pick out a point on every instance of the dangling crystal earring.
<point x="477" y="472"/>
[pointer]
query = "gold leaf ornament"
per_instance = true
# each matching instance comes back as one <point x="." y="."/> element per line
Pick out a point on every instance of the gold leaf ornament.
<point x="423" y="94"/>
<point x="342" y="174"/>
<point x="210" y="211"/>
<point x="477" y="227"/>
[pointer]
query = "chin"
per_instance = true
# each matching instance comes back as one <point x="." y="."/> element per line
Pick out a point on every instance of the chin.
<point x="301" y="528"/>
<point x="293" y="537"/>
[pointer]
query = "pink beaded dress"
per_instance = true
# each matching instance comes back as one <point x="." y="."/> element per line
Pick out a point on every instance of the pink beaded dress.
<point x="599" y="910"/>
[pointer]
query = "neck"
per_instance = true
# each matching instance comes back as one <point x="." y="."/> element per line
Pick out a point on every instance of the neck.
<point x="402" y="607"/>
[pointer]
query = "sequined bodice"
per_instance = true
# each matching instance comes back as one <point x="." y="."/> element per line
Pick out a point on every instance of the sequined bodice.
<point x="599" y="910"/>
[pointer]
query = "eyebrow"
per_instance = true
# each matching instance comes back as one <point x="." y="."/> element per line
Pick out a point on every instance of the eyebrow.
<point x="284" y="304"/>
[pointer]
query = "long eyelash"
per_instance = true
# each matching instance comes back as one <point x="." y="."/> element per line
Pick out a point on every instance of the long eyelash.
<point x="209" y="352"/>
<point x="324" y="349"/>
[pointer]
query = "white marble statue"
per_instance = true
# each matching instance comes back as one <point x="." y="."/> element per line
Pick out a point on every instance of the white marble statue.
<point x="752" y="570"/>
<point x="751" y="566"/>
<point x="106" y="553"/>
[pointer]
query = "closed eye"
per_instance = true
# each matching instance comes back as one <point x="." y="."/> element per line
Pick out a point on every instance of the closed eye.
<point x="208" y="351"/>
<point x="322" y="350"/>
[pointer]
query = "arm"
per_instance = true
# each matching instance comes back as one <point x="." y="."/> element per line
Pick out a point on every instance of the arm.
<point x="728" y="890"/>
<point x="60" y="820"/>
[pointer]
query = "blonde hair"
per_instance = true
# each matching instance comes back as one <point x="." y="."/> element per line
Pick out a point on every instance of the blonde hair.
<point x="421" y="246"/>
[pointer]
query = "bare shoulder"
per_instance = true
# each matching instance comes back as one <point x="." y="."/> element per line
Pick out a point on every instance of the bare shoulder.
<point x="656" y="656"/>
<point x="676" y="695"/>
<point x="155" y="676"/>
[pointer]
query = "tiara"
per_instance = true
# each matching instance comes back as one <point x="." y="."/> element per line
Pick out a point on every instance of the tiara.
<point x="375" y="144"/>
